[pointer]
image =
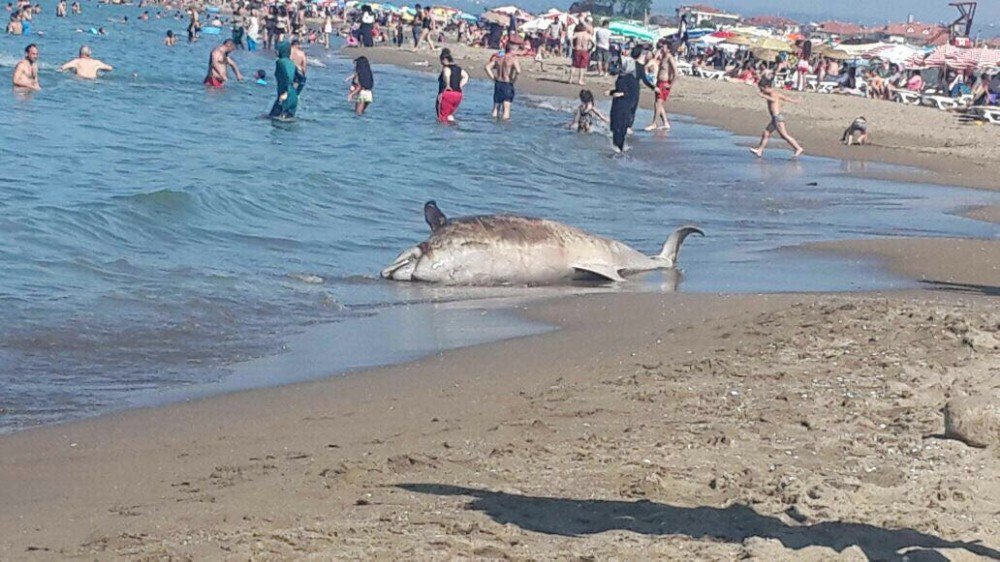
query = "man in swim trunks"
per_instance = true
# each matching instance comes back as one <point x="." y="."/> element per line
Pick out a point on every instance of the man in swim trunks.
<point x="25" y="76"/>
<point x="84" y="66"/>
<point x="664" y="66"/>
<point x="193" y="26"/>
<point x="582" y="44"/>
<point x="774" y="99"/>
<point x="451" y="82"/>
<point x="298" y="56"/>
<point x="219" y="63"/>
<point x="503" y="69"/>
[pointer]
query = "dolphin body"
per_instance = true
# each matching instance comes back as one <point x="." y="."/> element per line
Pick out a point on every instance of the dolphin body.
<point x="514" y="250"/>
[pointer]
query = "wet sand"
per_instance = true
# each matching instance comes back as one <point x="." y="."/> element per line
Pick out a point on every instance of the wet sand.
<point x="945" y="151"/>
<point x="674" y="426"/>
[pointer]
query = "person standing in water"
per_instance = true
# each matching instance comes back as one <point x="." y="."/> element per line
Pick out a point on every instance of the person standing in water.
<point x="622" y="113"/>
<point x="365" y="82"/>
<point x="503" y="69"/>
<point x="284" y="76"/>
<point x="450" y="83"/>
<point x="219" y="63"/>
<point x="193" y="26"/>
<point x="664" y="67"/>
<point x="61" y="9"/>
<point x="25" y="76"/>
<point x="85" y="66"/>
<point x="774" y="99"/>
<point x="298" y="56"/>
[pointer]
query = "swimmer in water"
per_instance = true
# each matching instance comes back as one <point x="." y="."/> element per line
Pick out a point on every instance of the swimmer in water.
<point x="219" y="63"/>
<point x="25" y="76"/>
<point x="583" y="119"/>
<point x="170" y="39"/>
<point x="86" y="66"/>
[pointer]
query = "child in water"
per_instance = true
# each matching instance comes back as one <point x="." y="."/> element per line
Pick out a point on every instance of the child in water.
<point x="584" y="116"/>
<point x="260" y="77"/>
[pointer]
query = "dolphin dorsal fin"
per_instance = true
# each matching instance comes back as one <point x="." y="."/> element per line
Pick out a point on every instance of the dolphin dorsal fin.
<point x="434" y="217"/>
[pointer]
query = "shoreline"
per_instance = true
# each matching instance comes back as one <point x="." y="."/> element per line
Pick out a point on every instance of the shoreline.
<point x="961" y="155"/>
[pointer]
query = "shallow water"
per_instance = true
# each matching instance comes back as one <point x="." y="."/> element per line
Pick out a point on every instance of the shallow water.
<point x="157" y="234"/>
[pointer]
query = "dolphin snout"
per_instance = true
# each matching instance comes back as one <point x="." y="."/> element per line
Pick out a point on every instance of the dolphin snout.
<point x="402" y="268"/>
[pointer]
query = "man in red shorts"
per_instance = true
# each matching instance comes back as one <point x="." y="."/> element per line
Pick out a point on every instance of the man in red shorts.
<point x="451" y="81"/>
<point x="583" y="42"/>
<point x="219" y="64"/>
<point x="664" y="66"/>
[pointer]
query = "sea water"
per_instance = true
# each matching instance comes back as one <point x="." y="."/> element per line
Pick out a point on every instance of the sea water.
<point x="157" y="236"/>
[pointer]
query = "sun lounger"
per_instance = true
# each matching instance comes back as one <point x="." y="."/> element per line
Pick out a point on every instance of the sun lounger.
<point x="907" y="97"/>
<point x="685" y="68"/>
<point x="944" y="103"/>
<point x="710" y="74"/>
<point x="827" y="87"/>
<point x="989" y="113"/>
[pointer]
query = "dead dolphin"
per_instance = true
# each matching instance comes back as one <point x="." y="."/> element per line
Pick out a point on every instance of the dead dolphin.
<point x="514" y="250"/>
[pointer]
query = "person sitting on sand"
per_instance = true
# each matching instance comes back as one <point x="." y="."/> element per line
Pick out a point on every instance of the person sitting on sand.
<point x="856" y="132"/>
<point x="774" y="99"/>
<point x="583" y="119"/>
<point x="85" y="66"/>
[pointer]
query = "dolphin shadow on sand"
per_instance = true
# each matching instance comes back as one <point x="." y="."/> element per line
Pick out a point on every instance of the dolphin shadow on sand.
<point x="736" y="523"/>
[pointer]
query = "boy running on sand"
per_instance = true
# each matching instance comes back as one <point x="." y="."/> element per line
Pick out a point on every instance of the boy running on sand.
<point x="774" y="99"/>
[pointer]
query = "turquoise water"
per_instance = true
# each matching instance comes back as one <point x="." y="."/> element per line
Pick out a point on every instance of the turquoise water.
<point x="156" y="235"/>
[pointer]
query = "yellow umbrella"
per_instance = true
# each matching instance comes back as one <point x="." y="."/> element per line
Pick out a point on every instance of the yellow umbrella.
<point x="837" y="54"/>
<point x="765" y="54"/>
<point x="772" y="44"/>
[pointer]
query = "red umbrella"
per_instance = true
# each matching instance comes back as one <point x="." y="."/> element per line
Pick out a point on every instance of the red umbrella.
<point x="724" y="34"/>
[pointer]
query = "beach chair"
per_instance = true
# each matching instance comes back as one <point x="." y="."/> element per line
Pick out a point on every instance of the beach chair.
<point x="812" y="82"/>
<point x="685" y="68"/>
<point x="989" y="113"/>
<point x="908" y="97"/>
<point x="944" y="103"/>
<point x="827" y="87"/>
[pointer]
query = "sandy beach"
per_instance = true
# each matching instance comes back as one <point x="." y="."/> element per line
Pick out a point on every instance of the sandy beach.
<point x="649" y="426"/>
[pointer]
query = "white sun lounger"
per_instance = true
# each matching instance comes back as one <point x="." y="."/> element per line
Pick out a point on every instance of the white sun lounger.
<point x="944" y="103"/>
<point x="711" y="74"/>
<point x="987" y="112"/>
<point x="827" y="87"/>
<point x="908" y="97"/>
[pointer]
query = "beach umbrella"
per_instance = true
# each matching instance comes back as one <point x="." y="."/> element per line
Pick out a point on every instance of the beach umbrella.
<point x="896" y="54"/>
<point x="494" y="17"/>
<point x="771" y="44"/>
<point x="467" y="17"/>
<point x="636" y="31"/>
<point x="837" y="54"/>
<point x="723" y="34"/>
<point x="537" y="24"/>
<point x="738" y="39"/>
<point x="764" y="54"/>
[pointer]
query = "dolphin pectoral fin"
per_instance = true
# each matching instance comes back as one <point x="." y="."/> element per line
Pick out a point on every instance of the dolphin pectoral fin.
<point x="600" y="271"/>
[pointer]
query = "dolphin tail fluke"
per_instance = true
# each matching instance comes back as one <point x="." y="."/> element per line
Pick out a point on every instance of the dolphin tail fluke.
<point x="673" y="244"/>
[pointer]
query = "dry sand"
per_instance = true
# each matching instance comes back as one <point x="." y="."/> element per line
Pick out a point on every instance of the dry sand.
<point x="946" y="151"/>
<point x="672" y="426"/>
<point x="668" y="425"/>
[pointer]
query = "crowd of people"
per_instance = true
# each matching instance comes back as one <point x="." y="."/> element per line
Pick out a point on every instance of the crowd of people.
<point x="285" y="27"/>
